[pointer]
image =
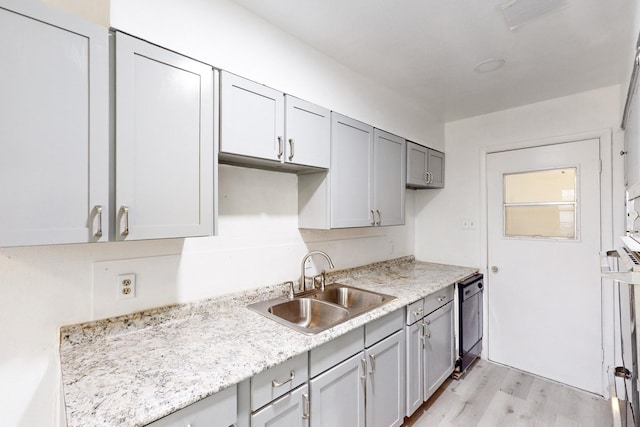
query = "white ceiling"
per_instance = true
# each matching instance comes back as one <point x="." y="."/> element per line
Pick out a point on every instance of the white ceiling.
<point x="426" y="49"/>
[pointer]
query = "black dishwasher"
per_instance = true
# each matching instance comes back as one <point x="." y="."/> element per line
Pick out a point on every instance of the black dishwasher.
<point x="470" y="322"/>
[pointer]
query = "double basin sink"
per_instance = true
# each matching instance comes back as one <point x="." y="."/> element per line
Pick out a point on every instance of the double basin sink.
<point x="321" y="310"/>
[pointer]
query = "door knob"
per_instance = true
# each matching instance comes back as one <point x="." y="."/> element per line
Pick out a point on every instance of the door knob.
<point x="495" y="269"/>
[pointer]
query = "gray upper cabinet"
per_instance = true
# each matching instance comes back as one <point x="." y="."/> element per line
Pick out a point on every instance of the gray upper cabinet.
<point x="252" y="119"/>
<point x="351" y="173"/>
<point x="263" y="127"/>
<point x="165" y="153"/>
<point x="307" y="132"/>
<point x="389" y="175"/>
<point x="54" y="154"/>
<point x="366" y="182"/>
<point x="425" y="167"/>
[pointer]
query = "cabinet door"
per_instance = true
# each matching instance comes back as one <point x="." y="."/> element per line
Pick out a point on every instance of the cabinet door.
<point x="351" y="173"/>
<point x="439" y="348"/>
<point x="385" y="403"/>
<point x="252" y="119"/>
<point x="337" y="396"/>
<point x="435" y="166"/>
<point x="389" y="178"/>
<point x="417" y="160"/>
<point x="54" y="150"/>
<point x="415" y="367"/>
<point x="308" y="133"/>
<point x="291" y="410"/>
<point x="164" y="143"/>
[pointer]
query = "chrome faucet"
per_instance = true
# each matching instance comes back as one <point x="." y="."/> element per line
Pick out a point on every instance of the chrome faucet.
<point x="303" y="278"/>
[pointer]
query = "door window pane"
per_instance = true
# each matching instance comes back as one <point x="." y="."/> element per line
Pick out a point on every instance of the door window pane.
<point x="540" y="204"/>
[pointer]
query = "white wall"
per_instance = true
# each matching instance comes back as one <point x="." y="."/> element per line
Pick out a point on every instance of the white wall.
<point x="439" y="213"/>
<point x="259" y="243"/>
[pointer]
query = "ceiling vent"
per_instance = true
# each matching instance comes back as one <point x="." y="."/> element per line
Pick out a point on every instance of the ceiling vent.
<point x="520" y="12"/>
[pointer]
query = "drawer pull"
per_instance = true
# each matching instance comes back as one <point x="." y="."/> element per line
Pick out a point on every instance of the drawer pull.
<point x="418" y="312"/>
<point x="364" y="368"/>
<point x="440" y="299"/>
<point x="292" y="375"/>
<point x="427" y="332"/>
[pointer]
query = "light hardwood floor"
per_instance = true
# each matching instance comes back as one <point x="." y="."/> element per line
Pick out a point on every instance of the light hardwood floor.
<point x="492" y="395"/>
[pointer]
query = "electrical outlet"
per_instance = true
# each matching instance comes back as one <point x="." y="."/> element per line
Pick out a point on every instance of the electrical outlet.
<point x="126" y="287"/>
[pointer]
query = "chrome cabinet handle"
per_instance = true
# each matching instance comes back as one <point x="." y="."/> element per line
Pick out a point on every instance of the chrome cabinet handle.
<point x="306" y="406"/>
<point x="292" y="375"/>
<point x="379" y="217"/>
<point x="426" y="177"/>
<point x="372" y="357"/>
<point x="373" y="217"/>
<point x="427" y="332"/>
<point x="292" y="146"/>
<point x="440" y="299"/>
<point x="363" y="361"/>
<point x="125" y="213"/>
<point x="429" y="178"/>
<point x="99" y="212"/>
<point x="418" y="312"/>
<point x="280" y="147"/>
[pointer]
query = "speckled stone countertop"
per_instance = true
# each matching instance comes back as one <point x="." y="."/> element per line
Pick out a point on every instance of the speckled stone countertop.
<point x="133" y="369"/>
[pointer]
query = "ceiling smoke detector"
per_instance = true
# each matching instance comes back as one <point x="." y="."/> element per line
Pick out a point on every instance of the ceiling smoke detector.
<point x="520" y="12"/>
<point x="489" y="65"/>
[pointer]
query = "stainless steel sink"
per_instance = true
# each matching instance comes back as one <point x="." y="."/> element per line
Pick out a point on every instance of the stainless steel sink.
<point x="321" y="310"/>
<point x="352" y="298"/>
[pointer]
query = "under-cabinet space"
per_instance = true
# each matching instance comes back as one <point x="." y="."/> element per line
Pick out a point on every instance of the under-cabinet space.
<point x="54" y="155"/>
<point x="425" y="167"/>
<point x="164" y="143"/>
<point x="263" y="127"/>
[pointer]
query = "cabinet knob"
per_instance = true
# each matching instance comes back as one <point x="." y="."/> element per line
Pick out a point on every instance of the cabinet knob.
<point x="495" y="269"/>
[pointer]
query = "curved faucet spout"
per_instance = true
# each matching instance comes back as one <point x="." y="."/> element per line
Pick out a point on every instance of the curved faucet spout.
<point x="304" y="260"/>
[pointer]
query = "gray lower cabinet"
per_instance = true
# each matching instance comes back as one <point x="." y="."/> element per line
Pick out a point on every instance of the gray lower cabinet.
<point x="290" y="410"/>
<point x="385" y="382"/>
<point x="430" y="351"/>
<point x="219" y="409"/>
<point x="337" y="395"/>
<point x="439" y="348"/>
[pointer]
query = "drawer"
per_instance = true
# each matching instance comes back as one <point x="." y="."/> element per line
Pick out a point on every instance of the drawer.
<point x="276" y="381"/>
<point x="415" y="311"/>
<point x="383" y="327"/>
<point x="438" y="299"/>
<point x="335" y="351"/>
<point x="221" y="407"/>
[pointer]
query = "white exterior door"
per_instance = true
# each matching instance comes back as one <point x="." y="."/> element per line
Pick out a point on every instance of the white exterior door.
<point x="544" y="287"/>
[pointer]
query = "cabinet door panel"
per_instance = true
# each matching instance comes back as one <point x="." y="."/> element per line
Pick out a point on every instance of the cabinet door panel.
<point x="436" y="168"/>
<point x="252" y="118"/>
<point x="416" y="165"/>
<point x="385" y="405"/>
<point x="389" y="178"/>
<point x="415" y="367"/>
<point x="337" y="396"/>
<point x="439" y="348"/>
<point x="351" y="172"/>
<point x="164" y="142"/>
<point x="288" y="411"/>
<point x="54" y="128"/>
<point x="308" y="129"/>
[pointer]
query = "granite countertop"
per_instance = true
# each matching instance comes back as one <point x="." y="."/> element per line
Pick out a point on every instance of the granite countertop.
<point x="133" y="369"/>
